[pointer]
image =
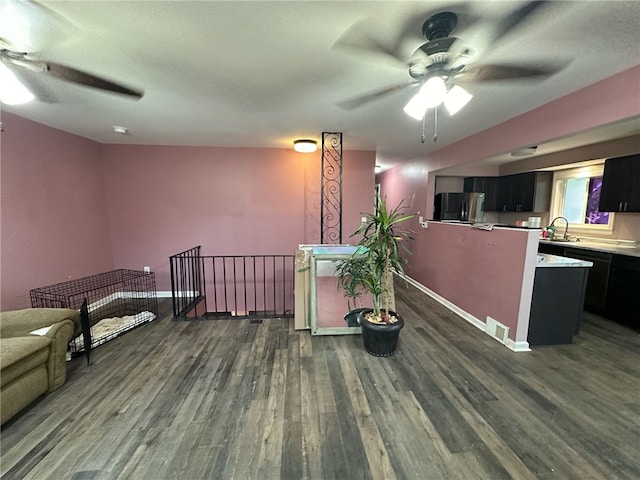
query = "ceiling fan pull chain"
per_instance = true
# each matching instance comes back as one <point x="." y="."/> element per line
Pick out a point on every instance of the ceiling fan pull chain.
<point x="422" y="139"/>
<point x="435" y="125"/>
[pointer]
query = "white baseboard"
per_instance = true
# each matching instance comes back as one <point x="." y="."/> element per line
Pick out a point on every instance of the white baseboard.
<point x="476" y="322"/>
<point x="167" y="294"/>
<point x="114" y="296"/>
<point x="517" y="346"/>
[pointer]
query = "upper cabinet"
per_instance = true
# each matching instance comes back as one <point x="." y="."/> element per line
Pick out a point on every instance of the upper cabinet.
<point x="525" y="192"/>
<point x="621" y="185"/>
<point x="486" y="185"/>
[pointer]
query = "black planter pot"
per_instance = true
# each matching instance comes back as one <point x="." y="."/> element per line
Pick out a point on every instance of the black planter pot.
<point x="352" y="317"/>
<point x="380" y="339"/>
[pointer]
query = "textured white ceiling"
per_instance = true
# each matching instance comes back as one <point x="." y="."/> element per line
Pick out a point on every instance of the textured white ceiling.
<point x="259" y="74"/>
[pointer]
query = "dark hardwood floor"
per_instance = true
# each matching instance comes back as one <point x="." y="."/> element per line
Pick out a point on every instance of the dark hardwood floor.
<point x="221" y="399"/>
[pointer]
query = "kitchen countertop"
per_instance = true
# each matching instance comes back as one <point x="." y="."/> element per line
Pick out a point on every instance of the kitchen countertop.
<point x="618" y="247"/>
<point x="586" y="244"/>
<point x="547" y="260"/>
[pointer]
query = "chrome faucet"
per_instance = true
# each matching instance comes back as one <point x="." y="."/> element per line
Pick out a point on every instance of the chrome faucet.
<point x="566" y="226"/>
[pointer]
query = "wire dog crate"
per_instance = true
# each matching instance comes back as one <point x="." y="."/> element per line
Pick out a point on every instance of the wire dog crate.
<point x="122" y="293"/>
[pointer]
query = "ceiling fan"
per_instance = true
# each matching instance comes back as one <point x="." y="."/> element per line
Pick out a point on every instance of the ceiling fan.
<point x="444" y="63"/>
<point x="24" y="26"/>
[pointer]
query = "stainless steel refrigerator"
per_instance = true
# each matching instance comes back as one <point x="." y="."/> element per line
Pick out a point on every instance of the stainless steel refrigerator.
<point x="462" y="207"/>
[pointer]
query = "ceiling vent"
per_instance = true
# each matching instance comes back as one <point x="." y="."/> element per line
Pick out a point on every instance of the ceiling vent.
<point x="524" y="152"/>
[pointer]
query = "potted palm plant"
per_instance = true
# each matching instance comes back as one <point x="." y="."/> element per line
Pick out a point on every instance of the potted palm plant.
<point x="383" y="241"/>
<point x="350" y="275"/>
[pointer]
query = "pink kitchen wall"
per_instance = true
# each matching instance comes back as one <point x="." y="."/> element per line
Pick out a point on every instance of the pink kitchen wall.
<point x="601" y="103"/>
<point x="612" y="99"/>
<point x="481" y="272"/>
<point x="54" y="224"/>
<point x="604" y="102"/>
<point x="232" y="201"/>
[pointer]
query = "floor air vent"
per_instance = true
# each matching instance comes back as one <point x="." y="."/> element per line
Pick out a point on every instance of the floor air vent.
<point x="497" y="330"/>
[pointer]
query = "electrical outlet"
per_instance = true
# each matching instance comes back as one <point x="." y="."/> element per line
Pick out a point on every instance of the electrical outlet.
<point x="147" y="269"/>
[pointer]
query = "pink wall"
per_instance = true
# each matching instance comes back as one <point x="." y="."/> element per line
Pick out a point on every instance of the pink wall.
<point x="481" y="272"/>
<point x="598" y="104"/>
<point x="601" y="103"/>
<point x="241" y="201"/>
<point x="615" y="98"/>
<point x="54" y="215"/>
<point x="72" y="207"/>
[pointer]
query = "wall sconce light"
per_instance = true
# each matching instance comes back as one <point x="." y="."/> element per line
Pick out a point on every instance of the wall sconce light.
<point x="305" y="145"/>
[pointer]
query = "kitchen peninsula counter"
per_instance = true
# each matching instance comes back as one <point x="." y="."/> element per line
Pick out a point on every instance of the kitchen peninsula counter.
<point x="548" y="260"/>
<point x="486" y="273"/>
<point x="558" y="299"/>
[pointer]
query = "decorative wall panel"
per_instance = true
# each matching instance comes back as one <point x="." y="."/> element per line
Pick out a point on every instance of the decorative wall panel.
<point x="331" y="189"/>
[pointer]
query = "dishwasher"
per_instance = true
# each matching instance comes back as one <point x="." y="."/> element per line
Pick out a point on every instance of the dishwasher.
<point x="597" y="279"/>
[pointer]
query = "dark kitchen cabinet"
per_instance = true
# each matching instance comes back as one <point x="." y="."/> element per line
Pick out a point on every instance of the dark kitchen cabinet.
<point x="556" y="305"/>
<point x="525" y="192"/>
<point x="508" y="191"/>
<point x="613" y="282"/>
<point x="621" y="185"/>
<point x="486" y="185"/>
<point x="622" y="294"/>
<point x="551" y="249"/>
<point x="598" y="279"/>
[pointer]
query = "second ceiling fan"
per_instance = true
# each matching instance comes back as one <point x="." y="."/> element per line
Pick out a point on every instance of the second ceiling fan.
<point x="25" y="27"/>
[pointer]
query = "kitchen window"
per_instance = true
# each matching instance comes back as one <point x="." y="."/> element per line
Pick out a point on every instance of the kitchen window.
<point x="576" y="195"/>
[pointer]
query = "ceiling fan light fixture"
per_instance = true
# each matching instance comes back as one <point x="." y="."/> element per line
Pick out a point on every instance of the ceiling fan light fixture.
<point x="416" y="107"/>
<point x="434" y="91"/>
<point x="12" y="92"/>
<point x="305" y="145"/>
<point x="456" y="98"/>
<point x="431" y="94"/>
